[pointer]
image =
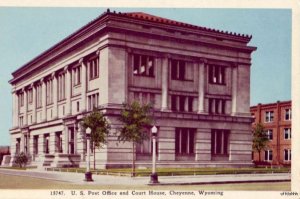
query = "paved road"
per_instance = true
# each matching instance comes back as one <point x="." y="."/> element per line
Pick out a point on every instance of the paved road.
<point x="77" y="178"/>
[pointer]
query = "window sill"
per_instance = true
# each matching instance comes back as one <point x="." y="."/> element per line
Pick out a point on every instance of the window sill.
<point x="220" y="84"/>
<point x="185" y="80"/>
<point x="150" y="76"/>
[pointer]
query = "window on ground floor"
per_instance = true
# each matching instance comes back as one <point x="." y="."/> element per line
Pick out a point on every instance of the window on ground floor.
<point x="184" y="141"/>
<point x="46" y="143"/>
<point x="287" y="154"/>
<point x="219" y="141"/>
<point x="58" y="142"/>
<point x="146" y="147"/>
<point x="268" y="155"/>
<point x="35" y="144"/>
<point x="18" y="141"/>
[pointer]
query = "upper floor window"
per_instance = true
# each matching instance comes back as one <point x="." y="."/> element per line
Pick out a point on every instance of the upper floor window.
<point x="21" y="121"/>
<point x="287" y="133"/>
<point x="61" y="86"/>
<point x="76" y="75"/>
<point x="21" y="99"/>
<point x="288" y="114"/>
<point x="93" y="101"/>
<point x="216" y="74"/>
<point x="143" y="65"/>
<point x="219" y="142"/>
<point x="268" y="155"/>
<point x="269" y="134"/>
<point x="182" y="103"/>
<point x="49" y="91"/>
<point x="144" y="98"/>
<point x="269" y="116"/>
<point x="287" y="154"/>
<point x="30" y="95"/>
<point x="39" y="96"/>
<point x="181" y="70"/>
<point x="216" y="106"/>
<point x="184" y="141"/>
<point x="93" y="65"/>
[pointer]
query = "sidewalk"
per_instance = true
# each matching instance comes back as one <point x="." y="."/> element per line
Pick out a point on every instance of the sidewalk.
<point x="78" y="178"/>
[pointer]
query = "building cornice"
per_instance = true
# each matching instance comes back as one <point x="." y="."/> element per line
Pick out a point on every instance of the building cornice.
<point x="98" y="25"/>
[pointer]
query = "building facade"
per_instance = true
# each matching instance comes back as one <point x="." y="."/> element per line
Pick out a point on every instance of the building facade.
<point x="276" y="118"/>
<point x="197" y="78"/>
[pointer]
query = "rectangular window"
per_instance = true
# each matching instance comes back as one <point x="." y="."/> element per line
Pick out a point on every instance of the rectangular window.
<point x="39" y="96"/>
<point x="268" y="155"/>
<point x="147" y="145"/>
<point x="287" y="154"/>
<point x="36" y="144"/>
<point x="144" y="98"/>
<point x="58" y="142"/>
<point x="46" y="143"/>
<point x="269" y="134"/>
<point x="77" y="105"/>
<point x="287" y="133"/>
<point x="216" y="106"/>
<point x="21" y="99"/>
<point x="216" y="74"/>
<point x="93" y="65"/>
<point x="76" y="75"/>
<point x="184" y="141"/>
<point x="93" y="101"/>
<point x="219" y="142"/>
<point x="178" y="70"/>
<point x="61" y="86"/>
<point x="49" y="91"/>
<point x="269" y="116"/>
<point x="288" y="114"/>
<point x="143" y="65"/>
<point x="30" y="96"/>
<point x="18" y="145"/>
<point x="182" y="103"/>
<point x="21" y="121"/>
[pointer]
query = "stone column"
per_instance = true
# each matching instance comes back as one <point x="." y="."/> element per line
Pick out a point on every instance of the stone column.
<point x="54" y="79"/>
<point x="164" y="83"/>
<point x="234" y="90"/>
<point x="66" y="140"/>
<point x="83" y="85"/>
<point x="75" y="138"/>
<point x="68" y="91"/>
<point x="201" y="86"/>
<point x="25" y="107"/>
<point x="15" y="108"/>
<point x="44" y="105"/>
<point x="33" y="103"/>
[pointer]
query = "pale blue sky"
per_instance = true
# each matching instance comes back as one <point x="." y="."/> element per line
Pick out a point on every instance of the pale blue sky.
<point x="26" y="32"/>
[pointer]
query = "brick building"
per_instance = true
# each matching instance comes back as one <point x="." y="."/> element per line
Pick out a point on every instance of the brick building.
<point x="276" y="118"/>
<point x="198" y="79"/>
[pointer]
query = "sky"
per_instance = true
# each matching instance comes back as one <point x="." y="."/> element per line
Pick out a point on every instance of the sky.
<point x="27" y="32"/>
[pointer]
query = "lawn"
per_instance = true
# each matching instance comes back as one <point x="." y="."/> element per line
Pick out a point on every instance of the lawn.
<point x="178" y="171"/>
<point x="21" y="182"/>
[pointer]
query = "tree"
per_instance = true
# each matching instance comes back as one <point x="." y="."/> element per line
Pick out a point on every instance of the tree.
<point x="135" y="118"/>
<point x="21" y="159"/>
<point x="99" y="129"/>
<point x="260" y="139"/>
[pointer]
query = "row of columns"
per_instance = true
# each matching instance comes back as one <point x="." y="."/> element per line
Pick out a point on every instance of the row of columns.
<point x="27" y="142"/>
<point x="202" y="65"/>
<point x="42" y="83"/>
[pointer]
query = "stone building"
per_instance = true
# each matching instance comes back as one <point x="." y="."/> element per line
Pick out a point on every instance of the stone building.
<point x="276" y="118"/>
<point x="198" y="79"/>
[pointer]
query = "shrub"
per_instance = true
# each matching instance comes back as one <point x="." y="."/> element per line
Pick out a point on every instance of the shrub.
<point x="21" y="159"/>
